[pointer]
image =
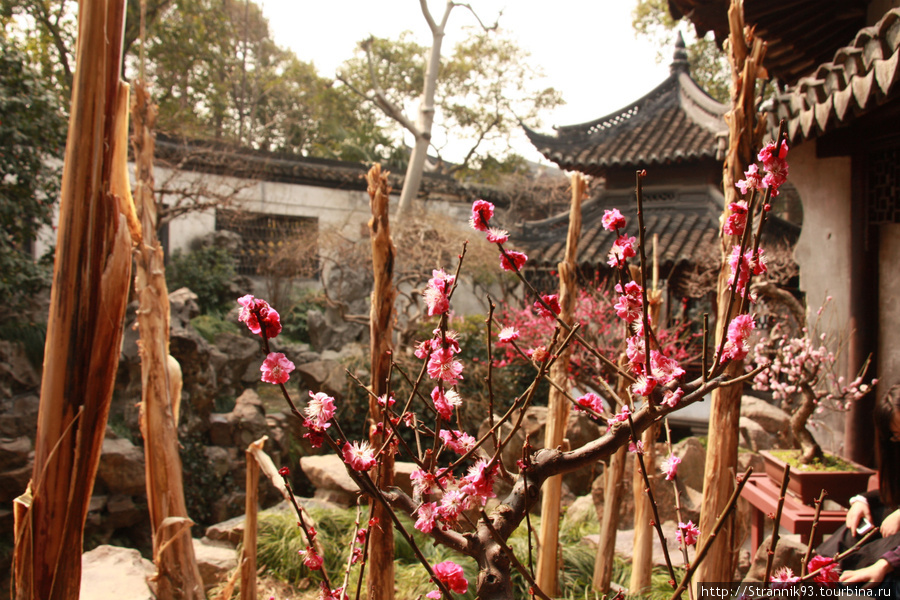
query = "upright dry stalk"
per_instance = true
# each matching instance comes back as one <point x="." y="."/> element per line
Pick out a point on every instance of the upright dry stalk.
<point x="612" y="500"/>
<point x="178" y="575"/>
<point x="248" y="552"/>
<point x="558" y="410"/>
<point x="381" y="536"/>
<point x="91" y="273"/>
<point x="744" y="130"/>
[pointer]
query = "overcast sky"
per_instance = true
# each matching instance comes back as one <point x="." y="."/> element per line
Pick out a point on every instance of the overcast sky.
<point x="587" y="50"/>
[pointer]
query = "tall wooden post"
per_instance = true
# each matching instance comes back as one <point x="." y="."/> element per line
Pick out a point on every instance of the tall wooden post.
<point x="744" y="130"/>
<point x="91" y="275"/>
<point x="381" y="535"/>
<point x="558" y="411"/>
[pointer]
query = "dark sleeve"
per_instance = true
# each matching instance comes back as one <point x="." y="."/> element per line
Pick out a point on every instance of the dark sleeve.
<point x="893" y="557"/>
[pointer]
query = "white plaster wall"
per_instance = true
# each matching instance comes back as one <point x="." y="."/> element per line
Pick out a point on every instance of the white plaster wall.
<point x="823" y="250"/>
<point x="888" y="306"/>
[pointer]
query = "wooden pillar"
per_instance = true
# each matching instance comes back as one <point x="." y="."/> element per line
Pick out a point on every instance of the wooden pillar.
<point x="251" y="510"/>
<point x="91" y="275"/>
<point x="558" y="412"/>
<point x="612" y="501"/>
<point x="381" y="536"/>
<point x="744" y="131"/>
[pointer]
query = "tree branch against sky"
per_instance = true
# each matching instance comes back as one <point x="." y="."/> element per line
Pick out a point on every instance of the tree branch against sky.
<point x="480" y="92"/>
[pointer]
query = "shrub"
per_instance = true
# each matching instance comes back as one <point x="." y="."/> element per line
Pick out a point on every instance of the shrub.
<point x="206" y="271"/>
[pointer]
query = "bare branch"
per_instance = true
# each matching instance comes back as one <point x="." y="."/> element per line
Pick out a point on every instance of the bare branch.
<point x="429" y="19"/>
<point x="493" y="27"/>
<point x="381" y="100"/>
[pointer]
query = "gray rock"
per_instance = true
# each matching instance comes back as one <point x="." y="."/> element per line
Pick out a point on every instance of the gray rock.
<point x="112" y="573"/>
<point x="753" y="436"/>
<point x="121" y="467"/>
<point x="325" y="376"/>
<point x="775" y="421"/>
<point x="18" y="416"/>
<point x="218" y="460"/>
<point x="215" y="561"/>
<point x="230" y="531"/>
<point x="693" y="462"/>
<point x="329" y="476"/>
<point x="123" y="512"/>
<point x="248" y="419"/>
<point x="17" y="374"/>
<point x="183" y="306"/>
<point x="221" y="429"/>
<point x="14" y="452"/>
<point x="229" y="505"/>
<point x="14" y="482"/>
<point x="581" y="511"/>
<point x="788" y="553"/>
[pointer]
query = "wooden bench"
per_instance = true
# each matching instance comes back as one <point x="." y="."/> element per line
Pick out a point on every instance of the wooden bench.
<point x="762" y="494"/>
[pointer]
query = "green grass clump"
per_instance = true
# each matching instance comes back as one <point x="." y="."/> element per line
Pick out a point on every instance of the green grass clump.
<point x="211" y="325"/>
<point x="280" y="540"/>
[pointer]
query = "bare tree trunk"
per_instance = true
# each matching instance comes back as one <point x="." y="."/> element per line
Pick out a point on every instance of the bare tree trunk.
<point x="178" y="575"/>
<point x="721" y="457"/>
<point x="91" y="275"/>
<point x="809" y="448"/>
<point x="381" y="536"/>
<point x="612" y="500"/>
<point x="558" y="411"/>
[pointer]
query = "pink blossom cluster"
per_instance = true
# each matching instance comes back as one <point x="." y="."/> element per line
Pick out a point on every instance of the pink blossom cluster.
<point x="784" y="575"/>
<point x="319" y="411"/>
<point x="613" y="220"/>
<point x="628" y="306"/>
<point x="482" y="212"/>
<point x="457" y="441"/>
<point x="619" y="417"/>
<point x="551" y="300"/>
<point x="829" y="571"/>
<point x="257" y="313"/>
<point x="737" y="220"/>
<point x="737" y="339"/>
<point x="670" y="467"/>
<point x="437" y="292"/>
<point x="441" y="351"/>
<point x="590" y="401"/>
<point x="776" y="170"/>
<point x="622" y="249"/>
<point x="444" y="497"/>
<point x="687" y="534"/>
<point x="794" y="362"/>
<point x="743" y="265"/>
<point x="451" y="575"/>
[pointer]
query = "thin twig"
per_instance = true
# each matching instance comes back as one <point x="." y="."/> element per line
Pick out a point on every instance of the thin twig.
<point x="770" y="555"/>
<point x="812" y="533"/>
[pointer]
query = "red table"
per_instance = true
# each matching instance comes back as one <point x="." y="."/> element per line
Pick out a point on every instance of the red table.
<point x="762" y="494"/>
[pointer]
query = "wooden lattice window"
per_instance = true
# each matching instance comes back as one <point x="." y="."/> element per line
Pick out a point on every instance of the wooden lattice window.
<point x="271" y="242"/>
<point x="884" y="187"/>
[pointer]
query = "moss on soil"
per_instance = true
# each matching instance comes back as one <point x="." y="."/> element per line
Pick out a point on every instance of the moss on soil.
<point x="830" y="462"/>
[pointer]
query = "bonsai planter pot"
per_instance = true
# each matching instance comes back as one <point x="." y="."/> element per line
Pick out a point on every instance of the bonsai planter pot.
<point x="806" y="485"/>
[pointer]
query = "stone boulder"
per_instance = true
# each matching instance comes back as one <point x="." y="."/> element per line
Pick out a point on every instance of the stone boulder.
<point x="215" y="561"/>
<point x="329" y="476"/>
<point x="17" y="374"/>
<point x="14" y="482"/>
<point x="326" y="376"/>
<point x="248" y="419"/>
<point x="121" y="511"/>
<point x="771" y="418"/>
<point x="113" y="573"/>
<point x="788" y="553"/>
<point x="121" y="469"/>
<point x="753" y="436"/>
<point x="18" y="415"/>
<point x="14" y="452"/>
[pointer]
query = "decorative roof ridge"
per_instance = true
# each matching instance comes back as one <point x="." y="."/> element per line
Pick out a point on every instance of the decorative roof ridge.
<point x="861" y="76"/>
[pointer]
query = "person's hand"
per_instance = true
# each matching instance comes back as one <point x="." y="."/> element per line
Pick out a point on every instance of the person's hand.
<point x="858" y="510"/>
<point x="891" y="524"/>
<point x="869" y="576"/>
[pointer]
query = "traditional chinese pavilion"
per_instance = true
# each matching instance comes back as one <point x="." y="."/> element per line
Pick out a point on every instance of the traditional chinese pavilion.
<point x="678" y="134"/>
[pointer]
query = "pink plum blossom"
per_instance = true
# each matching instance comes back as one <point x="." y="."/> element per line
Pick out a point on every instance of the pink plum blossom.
<point x="591" y="401"/>
<point x="672" y="397"/>
<point x="512" y="261"/>
<point x="445" y="402"/>
<point x="482" y="211"/>
<point x="319" y="410"/>
<point x="360" y="456"/>
<point x="687" y="533"/>
<point x="425" y="517"/>
<point x="508" y="334"/>
<point x="497" y="236"/>
<point x="830" y="571"/>
<point x="552" y="300"/>
<point x="643" y="385"/>
<point x="479" y="481"/>
<point x="437" y="291"/>
<point x="784" y="575"/>
<point x="628" y="306"/>
<point x="736" y="342"/>
<point x="451" y="575"/>
<point x="442" y="365"/>
<point x="670" y="467"/>
<point x="619" y="417"/>
<point x="311" y="558"/>
<point x="737" y="220"/>
<point x="252" y="309"/>
<point x="752" y="181"/>
<point x="612" y="220"/>
<point x="276" y="368"/>
<point x="622" y="248"/>
<point x="458" y="441"/>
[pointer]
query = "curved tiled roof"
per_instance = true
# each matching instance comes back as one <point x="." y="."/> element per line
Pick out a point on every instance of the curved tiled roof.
<point x="861" y="76"/>
<point x="676" y="122"/>
<point x="687" y="220"/>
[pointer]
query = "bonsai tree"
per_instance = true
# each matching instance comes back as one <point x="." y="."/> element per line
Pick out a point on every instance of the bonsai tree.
<point x="802" y="375"/>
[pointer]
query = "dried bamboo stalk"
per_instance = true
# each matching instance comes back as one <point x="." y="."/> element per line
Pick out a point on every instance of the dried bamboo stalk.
<point x="721" y="463"/>
<point x="248" y="553"/>
<point x="612" y="500"/>
<point x="91" y="274"/>
<point x="558" y="405"/>
<point x="380" y="576"/>
<point x="178" y="575"/>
